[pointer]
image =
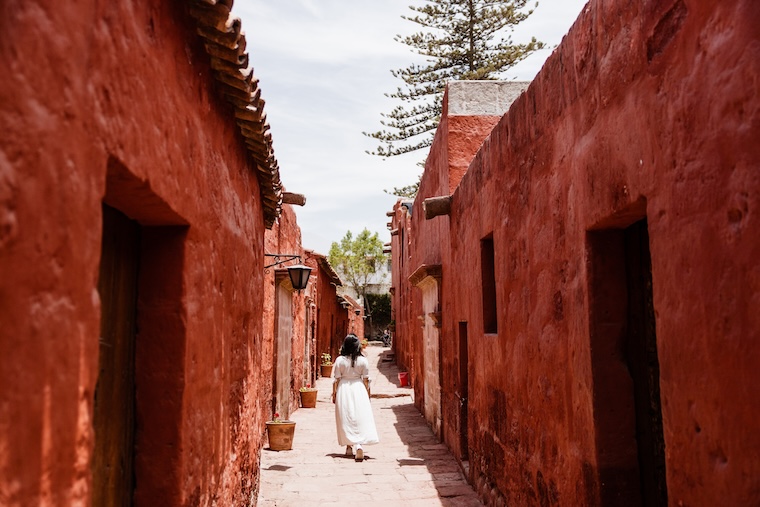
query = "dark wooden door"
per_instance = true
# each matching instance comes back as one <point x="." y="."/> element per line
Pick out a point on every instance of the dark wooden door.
<point x="644" y="367"/>
<point x="114" y="414"/>
<point x="625" y="366"/>
<point x="463" y="389"/>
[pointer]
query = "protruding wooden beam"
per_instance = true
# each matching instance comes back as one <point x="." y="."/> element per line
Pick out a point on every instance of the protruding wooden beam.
<point x="436" y="206"/>
<point x="291" y="198"/>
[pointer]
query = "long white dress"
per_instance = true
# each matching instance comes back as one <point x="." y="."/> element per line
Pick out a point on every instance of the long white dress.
<point x="353" y="412"/>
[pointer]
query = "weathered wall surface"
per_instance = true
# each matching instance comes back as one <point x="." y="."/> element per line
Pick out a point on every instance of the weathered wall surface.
<point x="646" y="113"/>
<point x="284" y="317"/>
<point x="336" y="314"/>
<point x="351" y="319"/>
<point x="404" y="306"/>
<point x="115" y="101"/>
<point x="327" y="307"/>
<point x="470" y="111"/>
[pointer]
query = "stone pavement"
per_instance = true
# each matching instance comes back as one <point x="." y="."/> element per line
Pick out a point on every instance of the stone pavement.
<point x="408" y="467"/>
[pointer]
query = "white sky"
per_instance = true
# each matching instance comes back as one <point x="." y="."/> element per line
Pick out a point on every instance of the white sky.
<point x="324" y="67"/>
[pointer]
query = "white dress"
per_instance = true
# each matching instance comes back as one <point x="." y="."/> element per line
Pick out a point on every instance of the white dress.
<point x="353" y="412"/>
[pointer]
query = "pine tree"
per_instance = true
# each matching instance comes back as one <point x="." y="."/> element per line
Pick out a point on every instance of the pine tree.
<point x="463" y="39"/>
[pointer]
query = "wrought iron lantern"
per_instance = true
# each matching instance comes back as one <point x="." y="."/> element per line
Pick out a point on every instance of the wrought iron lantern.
<point x="298" y="273"/>
<point x="299" y="276"/>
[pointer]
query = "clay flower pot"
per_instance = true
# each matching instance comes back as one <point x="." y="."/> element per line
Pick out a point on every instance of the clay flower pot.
<point x="308" y="397"/>
<point x="325" y="370"/>
<point x="280" y="434"/>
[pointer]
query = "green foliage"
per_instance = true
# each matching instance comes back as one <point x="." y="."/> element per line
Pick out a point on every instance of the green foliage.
<point x="461" y="39"/>
<point x="381" y="309"/>
<point x="357" y="259"/>
<point x="409" y="191"/>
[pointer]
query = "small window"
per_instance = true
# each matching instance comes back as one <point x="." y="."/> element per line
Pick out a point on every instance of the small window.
<point x="488" y="277"/>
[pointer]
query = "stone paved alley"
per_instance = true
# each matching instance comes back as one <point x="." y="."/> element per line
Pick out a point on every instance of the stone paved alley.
<point x="409" y="465"/>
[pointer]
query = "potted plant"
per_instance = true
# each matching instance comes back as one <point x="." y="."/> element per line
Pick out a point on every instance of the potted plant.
<point x="308" y="396"/>
<point x="365" y="342"/>
<point x="280" y="433"/>
<point x="325" y="369"/>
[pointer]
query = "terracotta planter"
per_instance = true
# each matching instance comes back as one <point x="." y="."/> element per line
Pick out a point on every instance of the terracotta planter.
<point x="280" y="435"/>
<point x="309" y="399"/>
<point x="325" y="370"/>
<point x="403" y="378"/>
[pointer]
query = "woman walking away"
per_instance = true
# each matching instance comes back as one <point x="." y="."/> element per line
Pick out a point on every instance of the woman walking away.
<point x="353" y="413"/>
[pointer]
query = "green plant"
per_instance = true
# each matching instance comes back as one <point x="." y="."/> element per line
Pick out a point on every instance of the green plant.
<point x="276" y="418"/>
<point x="326" y="359"/>
<point x="358" y="261"/>
<point x="308" y="388"/>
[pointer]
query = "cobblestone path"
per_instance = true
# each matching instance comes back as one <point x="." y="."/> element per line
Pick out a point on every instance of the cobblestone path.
<point x="408" y="467"/>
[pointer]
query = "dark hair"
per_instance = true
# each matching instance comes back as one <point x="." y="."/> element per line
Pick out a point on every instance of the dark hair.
<point x="352" y="348"/>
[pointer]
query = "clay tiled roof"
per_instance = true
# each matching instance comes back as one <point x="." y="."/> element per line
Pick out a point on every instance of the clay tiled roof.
<point x="348" y="299"/>
<point x="225" y="44"/>
<point x="326" y="267"/>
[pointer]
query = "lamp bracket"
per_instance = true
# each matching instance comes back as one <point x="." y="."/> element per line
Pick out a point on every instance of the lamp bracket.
<point x="281" y="258"/>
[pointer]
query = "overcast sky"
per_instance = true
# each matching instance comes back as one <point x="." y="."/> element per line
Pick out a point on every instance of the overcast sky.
<point x="324" y="67"/>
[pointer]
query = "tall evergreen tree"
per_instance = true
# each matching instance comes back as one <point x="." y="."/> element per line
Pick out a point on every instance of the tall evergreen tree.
<point x="462" y="39"/>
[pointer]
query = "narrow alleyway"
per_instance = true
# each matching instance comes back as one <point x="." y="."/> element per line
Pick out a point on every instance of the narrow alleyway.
<point x="409" y="465"/>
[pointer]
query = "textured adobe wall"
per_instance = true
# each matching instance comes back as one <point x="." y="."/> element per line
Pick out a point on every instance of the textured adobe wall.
<point x="399" y="287"/>
<point x="643" y="113"/>
<point x="646" y="110"/>
<point x="125" y="89"/>
<point x="354" y="324"/>
<point x="327" y="310"/>
<point x="470" y="111"/>
<point x="284" y="237"/>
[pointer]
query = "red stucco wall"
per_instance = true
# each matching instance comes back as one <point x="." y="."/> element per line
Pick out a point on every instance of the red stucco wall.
<point x="329" y="311"/>
<point x="352" y="318"/>
<point x="402" y="304"/>
<point x="285" y="238"/>
<point x="325" y="305"/>
<point x="124" y="90"/>
<point x="645" y="111"/>
<point x="457" y="139"/>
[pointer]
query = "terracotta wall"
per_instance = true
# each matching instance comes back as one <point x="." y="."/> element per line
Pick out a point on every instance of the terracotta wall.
<point x="417" y="243"/>
<point x="114" y="102"/>
<point x="327" y="307"/>
<point x="321" y="283"/>
<point x="402" y="304"/>
<point x="335" y="315"/>
<point x="352" y="317"/>
<point x="284" y="318"/>
<point x="639" y="136"/>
